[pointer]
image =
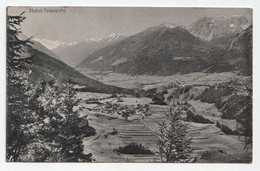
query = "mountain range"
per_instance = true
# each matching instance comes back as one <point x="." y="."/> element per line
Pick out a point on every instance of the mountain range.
<point x="73" y="53"/>
<point x="158" y="50"/>
<point x="165" y="49"/>
<point x="209" y="28"/>
<point x="44" y="65"/>
<point x="39" y="46"/>
<point x="207" y="45"/>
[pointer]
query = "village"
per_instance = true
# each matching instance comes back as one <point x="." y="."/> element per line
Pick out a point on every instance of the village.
<point x="114" y="105"/>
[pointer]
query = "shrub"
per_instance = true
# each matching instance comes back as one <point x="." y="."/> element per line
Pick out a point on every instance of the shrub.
<point x="214" y="94"/>
<point x="158" y="97"/>
<point x="197" y="118"/>
<point x="134" y="148"/>
<point x="114" y="132"/>
<point x="226" y="129"/>
<point x="120" y="100"/>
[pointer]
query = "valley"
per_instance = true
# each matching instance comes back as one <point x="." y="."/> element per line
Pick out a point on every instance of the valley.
<point x="158" y="92"/>
<point x="209" y="143"/>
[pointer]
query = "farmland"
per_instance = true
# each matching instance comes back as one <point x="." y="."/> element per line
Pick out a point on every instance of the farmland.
<point x="209" y="143"/>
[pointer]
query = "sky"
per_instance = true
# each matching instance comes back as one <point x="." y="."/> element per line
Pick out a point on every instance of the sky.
<point x="79" y="23"/>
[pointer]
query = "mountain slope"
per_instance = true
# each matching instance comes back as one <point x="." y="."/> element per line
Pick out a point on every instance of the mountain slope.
<point x="240" y="53"/>
<point x="44" y="67"/>
<point x="230" y="53"/>
<point x="74" y="53"/>
<point x="37" y="45"/>
<point x="166" y="50"/>
<point x="209" y="28"/>
<point x="160" y="50"/>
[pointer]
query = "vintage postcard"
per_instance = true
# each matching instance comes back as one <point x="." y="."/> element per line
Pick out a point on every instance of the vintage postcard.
<point x="129" y="84"/>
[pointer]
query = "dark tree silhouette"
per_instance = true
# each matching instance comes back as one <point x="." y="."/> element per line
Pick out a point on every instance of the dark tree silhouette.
<point x="18" y="112"/>
<point x="174" y="144"/>
<point x="42" y="123"/>
<point x="245" y="121"/>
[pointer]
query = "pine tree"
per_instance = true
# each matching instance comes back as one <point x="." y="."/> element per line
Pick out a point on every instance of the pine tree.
<point x="173" y="143"/>
<point x="245" y="122"/>
<point x="42" y="124"/>
<point x="73" y="129"/>
<point x="18" y="112"/>
<point x="59" y="130"/>
<point x="15" y="46"/>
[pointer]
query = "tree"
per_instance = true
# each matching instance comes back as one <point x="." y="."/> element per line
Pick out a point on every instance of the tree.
<point x="245" y="121"/>
<point x="173" y="144"/>
<point x="15" y="46"/>
<point x="18" y="112"/>
<point x="42" y="123"/>
<point x="73" y="129"/>
<point x="58" y="129"/>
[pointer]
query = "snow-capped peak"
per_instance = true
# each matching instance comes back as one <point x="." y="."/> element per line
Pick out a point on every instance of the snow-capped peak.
<point x="168" y="25"/>
<point x="72" y="43"/>
<point x="92" y="40"/>
<point x="50" y="44"/>
<point x="113" y="36"/>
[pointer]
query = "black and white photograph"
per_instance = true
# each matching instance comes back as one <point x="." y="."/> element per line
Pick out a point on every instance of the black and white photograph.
<point x="129" y="84"/>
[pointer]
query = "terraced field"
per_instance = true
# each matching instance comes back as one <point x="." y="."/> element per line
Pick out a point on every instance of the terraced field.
<point x="207" y="139"/>
<point x="104" y="148"/>
<point x="209" y="143"/>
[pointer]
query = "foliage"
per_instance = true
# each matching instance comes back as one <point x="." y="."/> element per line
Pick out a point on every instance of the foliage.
<point x="214" y="94"/>
<point x="233" y="106"/>
<point x="58" y="129"/>
<point x="18" y="111"/>
<point x="15" y="46"/>
<point x="114" y="132"/>
<point x="120" y="100"/>
<point x="245" y="122"/>
<point x="197" y="118"/>
<point x="226" y="129"/>
<point x="134" y="148"/>
<point x="173" y="143"/>
<point x="18" y="116"/>
<point x="42" y="124"/>
<point x="179" y="90"/>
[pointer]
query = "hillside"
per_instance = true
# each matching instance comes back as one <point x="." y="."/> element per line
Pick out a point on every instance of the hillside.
<point x="37" y="45"/>
<point x="160" y="50"/>
<point x="230" y="53"/>
<point x="44" y="67"/>
<point x="73" y="53"/>
<point x="209" y="28"/>
<point x="167" y="49"/>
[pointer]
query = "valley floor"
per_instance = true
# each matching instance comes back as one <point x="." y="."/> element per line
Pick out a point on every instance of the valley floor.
<point x="148" y="82"/>
<point x="209" y="143"/>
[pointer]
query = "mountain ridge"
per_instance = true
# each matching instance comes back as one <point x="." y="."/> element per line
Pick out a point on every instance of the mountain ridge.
<point x="145" y="47"/>
<point x="39" y="46"/>
<point x="44" y="67"/>
<point x="208" y="28"/>
<point x="74" y="53"/>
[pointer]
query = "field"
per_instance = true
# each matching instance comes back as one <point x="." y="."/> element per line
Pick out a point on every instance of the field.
<point x="209" y="143"/>
<point x="148" y="82"/>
